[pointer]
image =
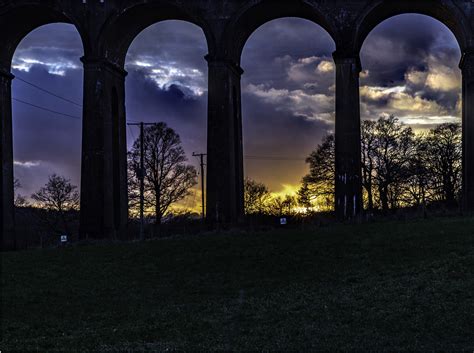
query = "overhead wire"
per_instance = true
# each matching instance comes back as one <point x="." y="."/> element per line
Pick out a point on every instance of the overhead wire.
<point x="48" y="92"/>
<point x="46" y="109"/>
<point x="44" y="90"/>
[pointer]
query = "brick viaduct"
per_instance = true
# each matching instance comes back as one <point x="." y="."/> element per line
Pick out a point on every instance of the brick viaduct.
<point x="107" y="28"/>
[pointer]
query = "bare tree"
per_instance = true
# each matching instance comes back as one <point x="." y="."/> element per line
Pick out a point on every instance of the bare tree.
<point x="59" y="198"/>
<point x="445" y="151"/>
<point x="393" y="144"/>
<point x="418" y="177"/>
<point x="368" y="141"/>
<point x="20" y="200"/>
<point x="16" y="184"/>
<point x="304" y="197"/>
<point x="318" y="185"/>
<point x="402" y="169"/>
<point x="168" y="178"/>
<point x="256" y="197"/>
<point x="133" y="183"/>
<point x="280" y="206"/>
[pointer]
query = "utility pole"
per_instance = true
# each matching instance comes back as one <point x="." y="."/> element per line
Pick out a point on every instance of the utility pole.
<point x="201" y="155"/>
<point x="141" y="174"/>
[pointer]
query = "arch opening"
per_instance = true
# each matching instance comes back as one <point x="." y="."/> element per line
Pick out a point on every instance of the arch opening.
<point x="288" y="104"/>
<point x="411" y="73"/>
<point x="167" y="83"/>
<point x="47" y="130"/>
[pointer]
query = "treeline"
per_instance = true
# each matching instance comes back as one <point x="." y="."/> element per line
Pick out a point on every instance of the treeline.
<point x="259" y="200"/>
<point x="399" y="168"/>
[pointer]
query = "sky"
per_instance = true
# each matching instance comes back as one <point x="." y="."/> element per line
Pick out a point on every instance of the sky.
<point x="410" y="69"/>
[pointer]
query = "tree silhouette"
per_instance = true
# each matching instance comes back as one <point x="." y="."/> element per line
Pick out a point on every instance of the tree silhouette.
<point x="445" y="153"/>
<point x="167" y="176"/>
<point x="256" y="197"/>
<point x="318" y="185"/>
<point x="283" y="206"/>
<point x="58" y="197"/>
<point x="304" y="196"/>
<point x="393" y="144"/>
<point x="419" y="173"/>
<point x="399" y="168"/>
<point x="368" y="140"/>
<point x="20" y="200"/>
<point x="402" y="169"/>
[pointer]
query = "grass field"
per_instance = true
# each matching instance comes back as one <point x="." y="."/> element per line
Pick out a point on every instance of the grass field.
<point x="382" y="286"/>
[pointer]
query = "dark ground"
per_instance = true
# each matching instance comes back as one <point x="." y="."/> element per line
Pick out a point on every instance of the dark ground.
<point x="383" y="286"/>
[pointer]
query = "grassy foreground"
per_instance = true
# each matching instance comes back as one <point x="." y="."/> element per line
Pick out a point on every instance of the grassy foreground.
<point x="385" y="286"/>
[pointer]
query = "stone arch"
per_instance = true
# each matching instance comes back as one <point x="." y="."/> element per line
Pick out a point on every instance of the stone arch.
<point x="301" y="45"/>
<point x="17" y="21"/>
<point x="450" y="14"/>
<point x="123" y="27"/>
<point x="256" y="13"/>
<point x="442" y="10"/>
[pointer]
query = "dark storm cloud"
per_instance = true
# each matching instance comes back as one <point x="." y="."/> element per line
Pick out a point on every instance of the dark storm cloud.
<point x="270" y="48"/>
<point x="171" y="42"/>
<point x="171" y="53"/>
<point x="185" y="113"/>
<point x="56" y="47"/>
<point x="402" y="42"/>
<point x="291" y="70"/>
<point x="411" y="70"/>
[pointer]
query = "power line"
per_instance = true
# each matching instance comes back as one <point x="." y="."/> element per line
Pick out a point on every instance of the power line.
<point x="47" y="109"/>
<point x="54" y="95"/>
<point x="48" y="92"/>
<point x="51" y="110"/>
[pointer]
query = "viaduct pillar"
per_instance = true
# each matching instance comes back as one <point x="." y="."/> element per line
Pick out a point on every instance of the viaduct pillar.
<point x="225" y="184"/>
<point x="104" y="199"/>
<point x="7" y="216"/>
<point x="467" y="68"/>
<point x="348" y="183"/>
